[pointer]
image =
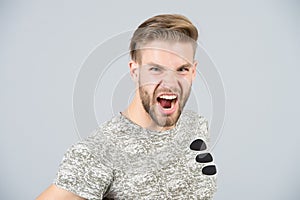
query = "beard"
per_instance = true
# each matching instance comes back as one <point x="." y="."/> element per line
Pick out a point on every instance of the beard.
<point x="150" y="105"/>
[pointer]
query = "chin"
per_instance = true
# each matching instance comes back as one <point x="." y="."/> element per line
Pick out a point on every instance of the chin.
<point x="164" y="120"/>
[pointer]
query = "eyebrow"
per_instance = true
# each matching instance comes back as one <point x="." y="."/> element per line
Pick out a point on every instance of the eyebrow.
<point x="188" y="65"/>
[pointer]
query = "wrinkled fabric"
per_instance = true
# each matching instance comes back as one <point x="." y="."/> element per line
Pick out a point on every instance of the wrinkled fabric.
<point x="121" y="160"/>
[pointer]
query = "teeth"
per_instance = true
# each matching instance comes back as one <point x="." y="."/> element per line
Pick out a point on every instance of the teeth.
<point x="168" y="97"/>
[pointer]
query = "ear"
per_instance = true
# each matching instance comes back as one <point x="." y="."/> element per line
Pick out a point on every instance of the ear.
<point x="134" y="68"/>
<point x="194" y="69"/>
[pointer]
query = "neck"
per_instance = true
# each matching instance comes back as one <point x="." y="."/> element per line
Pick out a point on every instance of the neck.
<point x="137" y="114"/>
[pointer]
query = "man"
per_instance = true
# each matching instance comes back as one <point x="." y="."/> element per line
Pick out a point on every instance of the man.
<point x="153" y="149"/>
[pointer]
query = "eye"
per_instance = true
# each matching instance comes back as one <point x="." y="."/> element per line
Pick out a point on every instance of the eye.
<point x="183" y="69"/>
<point x="154" y="69"/>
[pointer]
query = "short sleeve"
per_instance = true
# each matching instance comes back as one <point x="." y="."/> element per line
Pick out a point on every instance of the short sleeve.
<point x="84" y="173"/>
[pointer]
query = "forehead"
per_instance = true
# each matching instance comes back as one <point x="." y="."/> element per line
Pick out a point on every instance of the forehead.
<point x="167" y="53"/>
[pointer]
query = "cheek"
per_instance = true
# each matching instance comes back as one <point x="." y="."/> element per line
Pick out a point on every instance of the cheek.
<point x="148" y="89"/>
<point x="148" y="81"/>
<point x="185" y="82"/>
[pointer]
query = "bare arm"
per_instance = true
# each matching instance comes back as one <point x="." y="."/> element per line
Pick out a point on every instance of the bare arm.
<point x="55" y="193"/>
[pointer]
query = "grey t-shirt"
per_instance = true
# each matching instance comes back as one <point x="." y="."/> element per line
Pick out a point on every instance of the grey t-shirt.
<point x="122" y="160"/>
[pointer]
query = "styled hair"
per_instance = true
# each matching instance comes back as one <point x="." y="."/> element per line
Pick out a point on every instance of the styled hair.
<point x="166" y="27"/>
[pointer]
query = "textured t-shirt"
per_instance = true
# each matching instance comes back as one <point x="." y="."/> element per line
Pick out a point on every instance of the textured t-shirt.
<point x="122" y="160"/>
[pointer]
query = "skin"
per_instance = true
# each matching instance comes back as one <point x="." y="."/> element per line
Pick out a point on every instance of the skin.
<point x="164" y="68"/>
<point x="160" y="71"/>
<point x="55" y="193"/>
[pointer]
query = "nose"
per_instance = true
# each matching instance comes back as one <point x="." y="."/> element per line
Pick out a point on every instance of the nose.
<point x="169" y="79"/>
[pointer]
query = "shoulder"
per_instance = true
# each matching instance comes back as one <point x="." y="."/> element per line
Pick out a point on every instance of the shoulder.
<point x="195" y="122"/>
<point x="98" y="144"/>
<point x="87" y="168"/>
<point x="191" y="117"/>
<point x="89" y="151"/>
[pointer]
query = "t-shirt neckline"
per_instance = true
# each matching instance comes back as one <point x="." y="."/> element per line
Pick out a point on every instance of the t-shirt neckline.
<point x="171" y="131"/>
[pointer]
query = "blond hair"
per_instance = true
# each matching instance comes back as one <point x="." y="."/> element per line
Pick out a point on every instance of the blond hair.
<point x="166" y="27"/>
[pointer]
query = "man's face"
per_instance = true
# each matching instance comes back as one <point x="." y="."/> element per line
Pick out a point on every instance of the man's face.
<point x="166" y="73"/>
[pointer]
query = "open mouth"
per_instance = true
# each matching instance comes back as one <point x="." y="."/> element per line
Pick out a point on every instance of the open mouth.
<point x="167" y="101"/>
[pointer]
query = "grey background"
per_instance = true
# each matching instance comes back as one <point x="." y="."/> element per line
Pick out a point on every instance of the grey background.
<point x="255" y="45"/>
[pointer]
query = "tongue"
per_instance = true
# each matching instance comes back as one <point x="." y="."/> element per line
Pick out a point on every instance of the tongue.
<point x="165" y="103"/>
